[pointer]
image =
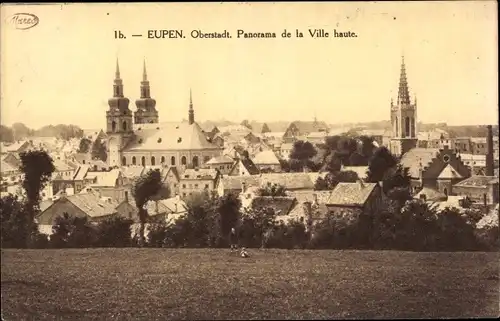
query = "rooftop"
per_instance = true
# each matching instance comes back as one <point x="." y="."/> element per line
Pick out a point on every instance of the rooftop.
<point x="351" y="194"/>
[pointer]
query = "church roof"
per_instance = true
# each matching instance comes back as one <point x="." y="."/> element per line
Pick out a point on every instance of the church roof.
<point x="449" y="173"/>
<point x="416" y="157"/>
<point x="169" y="136"/>
<point x="224" y="159"/>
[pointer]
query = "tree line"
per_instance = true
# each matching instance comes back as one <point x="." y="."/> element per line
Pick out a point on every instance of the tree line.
<point x="401" y="223"/>
<point x="19" y="131"/>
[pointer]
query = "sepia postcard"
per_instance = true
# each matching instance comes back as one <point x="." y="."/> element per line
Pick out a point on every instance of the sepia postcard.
<point x="249" y="160"/>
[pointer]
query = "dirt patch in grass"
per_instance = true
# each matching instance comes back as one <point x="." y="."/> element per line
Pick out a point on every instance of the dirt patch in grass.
<point x="160" y="284"/>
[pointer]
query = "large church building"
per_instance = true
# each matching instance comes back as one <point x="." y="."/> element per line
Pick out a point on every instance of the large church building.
<point x="403" y="118"/>
<point x="140" y="139"/>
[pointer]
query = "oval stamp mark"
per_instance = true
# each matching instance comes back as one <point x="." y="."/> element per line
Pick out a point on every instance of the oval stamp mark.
<point x="23" y="21"/>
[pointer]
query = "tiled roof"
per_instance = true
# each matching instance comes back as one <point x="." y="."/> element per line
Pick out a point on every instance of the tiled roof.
<point x="169" y="136"/>
<point x="310" y="196"/>
<point x="45" y="205"/>
<point x="416" y="156"/>
<point x="224" y="159"/>
<point x="431" y="194"/>
<point x="248" y="164"/>
<point x="290" y="180"/>
<point x="449" y="173"/>
<point x="286" y="146"/>
<point x="14" y="147"/>
<point x="61" y="166"/>
<point x="132" y="171"/>
<point x="478" y="181"/>
<point x="305" y="127"/>
<point x="235" y="183"/>
<point x="280" y="205"/>
<point x="266" y="157"/>
<point x="92" y="205"/>
<point x="351" y="194"/>
<point x="106" y="179"/>
<point x="201" y="173"/>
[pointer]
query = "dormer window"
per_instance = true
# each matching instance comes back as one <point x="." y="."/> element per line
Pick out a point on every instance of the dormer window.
<point x="179" y="139"/>
<point x="140" y="140"/>
<point x="159" y="140"/>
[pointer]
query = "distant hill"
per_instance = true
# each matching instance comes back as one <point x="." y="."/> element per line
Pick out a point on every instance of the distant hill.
<point x="20" y="131"/>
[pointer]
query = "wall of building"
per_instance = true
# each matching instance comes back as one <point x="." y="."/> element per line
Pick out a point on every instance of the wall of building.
<point x="172" y="158"/>
<point x="190" y="186"/>
<point x="476" y="193"/>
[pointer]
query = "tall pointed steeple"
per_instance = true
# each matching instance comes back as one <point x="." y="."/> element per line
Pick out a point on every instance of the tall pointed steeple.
<point x="403" y="92"/>
<point x="118" y="84"/>
<point x="146" y="111"/>
<point x="145" y="89"/>
<point x="191" y="109"/>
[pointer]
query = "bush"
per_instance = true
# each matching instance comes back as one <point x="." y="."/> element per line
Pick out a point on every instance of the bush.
<point x="157" y="234"/>
<point x="73" y="232"/>
<point x="114" y="232"/>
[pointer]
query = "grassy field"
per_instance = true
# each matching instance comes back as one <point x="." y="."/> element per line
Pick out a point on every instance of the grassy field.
<point x="161" y="284"/>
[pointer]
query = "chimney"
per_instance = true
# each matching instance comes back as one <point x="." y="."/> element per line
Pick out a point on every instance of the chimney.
<point x="126" y="196"/>
<point x="243" y="187"/>
<point x="315" y="199"/>
<point x="489" y="152"/>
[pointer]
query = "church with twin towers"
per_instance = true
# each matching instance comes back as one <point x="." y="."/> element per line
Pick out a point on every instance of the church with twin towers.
<point x="139" y="138"/>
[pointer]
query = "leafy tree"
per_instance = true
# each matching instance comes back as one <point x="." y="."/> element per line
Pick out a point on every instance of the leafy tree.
<point x="455" y="232"/>
<point x="15" y="225"/>
<point x="357" y="159"/>
<point x="99" y="150"/>
<point x="21" y="131"/>
<point x="73" y="232"/>
<point x="397" y="185"/>
<point x="265" y="129"/>
<point x="143" y="190"/>
<point x="381" y="161"/>
<point x="114" y="232"/>
<point x="37" y="168"/>
<point x="273" y="190"/>
<point x="333" y="162"/>
<point x="303" y="152"/>
<point x="332" y="179"/>
<point x="285" y="165"/>
<point x="227" y="216"/>
<point x="85" y="145"/>
<point x="6" y="134"/>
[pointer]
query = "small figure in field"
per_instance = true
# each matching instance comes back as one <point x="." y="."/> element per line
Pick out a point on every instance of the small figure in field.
<point x="233" y="240"/>
<point x="244" y="252"/>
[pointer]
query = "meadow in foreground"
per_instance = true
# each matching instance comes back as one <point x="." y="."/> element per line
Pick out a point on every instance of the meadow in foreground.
<point x="160" y="284"/>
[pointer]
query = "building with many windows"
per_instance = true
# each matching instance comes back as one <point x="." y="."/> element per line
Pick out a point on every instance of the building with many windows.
<point x="140" y="139"/>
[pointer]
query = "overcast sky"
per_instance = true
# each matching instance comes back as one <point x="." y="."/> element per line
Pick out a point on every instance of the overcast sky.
<point x="62" y="70"/>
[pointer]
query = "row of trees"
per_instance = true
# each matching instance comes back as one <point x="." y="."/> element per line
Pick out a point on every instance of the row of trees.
<point x="417" y="227"/>
<point x="19" y="131"/>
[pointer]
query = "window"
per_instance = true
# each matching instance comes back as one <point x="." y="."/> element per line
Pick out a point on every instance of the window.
<point x="134" y="161"/>
<point x="113" y="126"/>
<point x="183" y="160"/>
<point x="206" y="185"/>
<point x="124" y="125"/>
<point x="195" y="161"/>
<point x="183" y="185"/>
<point x="163" y="159"/>
<point x="195" y="185"/>
<point x="143" y="161"/>
<point x="153" y="161"/>
<point x="172" y="161"/>
<point x="124" y="161"/>
<point x="184" y="194"/>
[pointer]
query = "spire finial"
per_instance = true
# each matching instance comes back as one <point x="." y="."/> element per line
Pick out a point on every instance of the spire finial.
<point x="117" y="72"/>
<point x="144" y="72"/>
<point x="191" y="110"/>
<point x="403" y="92"/>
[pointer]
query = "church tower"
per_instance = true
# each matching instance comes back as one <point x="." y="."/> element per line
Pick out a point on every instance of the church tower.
<point x="191" y="110"/>
<point x="403" y="118"/>
<point x="146" y="111"/>
<point x="118" y="121"/>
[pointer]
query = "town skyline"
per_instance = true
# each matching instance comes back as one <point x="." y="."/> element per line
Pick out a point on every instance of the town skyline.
<point x="452" y="73"/>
